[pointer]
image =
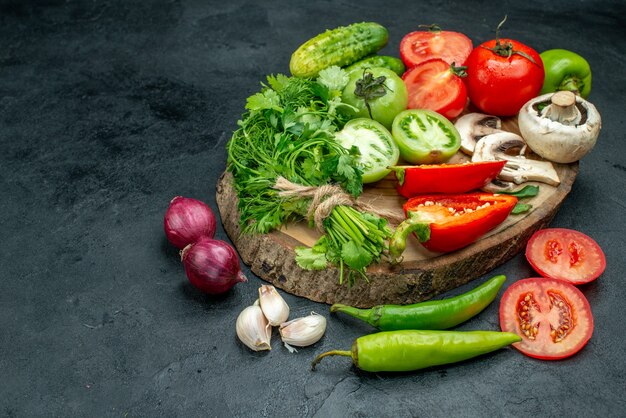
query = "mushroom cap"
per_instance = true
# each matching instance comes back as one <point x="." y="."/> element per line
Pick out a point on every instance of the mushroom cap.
<point x="473" y="126"/>
<point x="555" y="141"/>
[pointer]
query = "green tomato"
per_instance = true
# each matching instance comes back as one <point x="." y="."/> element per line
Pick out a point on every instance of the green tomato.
<point x="378" y="93"/>
<point x="425" y="137"/>
<point x="377" y="149"/>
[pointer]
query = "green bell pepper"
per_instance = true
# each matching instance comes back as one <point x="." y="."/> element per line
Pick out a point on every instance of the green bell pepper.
<point x="566" y="70"/>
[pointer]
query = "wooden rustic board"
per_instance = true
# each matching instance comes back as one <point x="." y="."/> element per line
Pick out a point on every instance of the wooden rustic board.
<point x="420" y="276"/>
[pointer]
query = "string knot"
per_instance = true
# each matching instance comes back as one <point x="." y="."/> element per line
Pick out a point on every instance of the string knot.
<point x="325" y="198"/>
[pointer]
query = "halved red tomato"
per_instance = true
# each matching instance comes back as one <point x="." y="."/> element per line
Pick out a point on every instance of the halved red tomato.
<point x="565" y="254"/>
<point x="552" y="316"/>
<point x="437" y="86"/>
<point x="420" y="46"/>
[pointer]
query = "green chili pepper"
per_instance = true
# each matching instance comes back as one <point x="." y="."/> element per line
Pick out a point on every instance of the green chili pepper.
<point x="408" y="350"/>
<point x="434" y="314"/>
<point x="566" y="70"/>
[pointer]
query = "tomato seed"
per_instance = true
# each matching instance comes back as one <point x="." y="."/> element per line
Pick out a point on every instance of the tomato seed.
<point x="575" y="253"/>
<point x="553" y="250"/>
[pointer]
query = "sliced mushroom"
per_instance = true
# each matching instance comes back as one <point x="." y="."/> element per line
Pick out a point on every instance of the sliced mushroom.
<point x="498" y="186"/>
<point x="518" y="169"/>
<point x="560" y="127"/>
<point x="474" y="126"/>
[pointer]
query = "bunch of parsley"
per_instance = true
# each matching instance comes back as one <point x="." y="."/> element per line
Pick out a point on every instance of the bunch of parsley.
<point x="288" y="130"/>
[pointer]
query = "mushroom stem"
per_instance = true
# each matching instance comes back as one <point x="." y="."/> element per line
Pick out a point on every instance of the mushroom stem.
<point x="563" y="109"/>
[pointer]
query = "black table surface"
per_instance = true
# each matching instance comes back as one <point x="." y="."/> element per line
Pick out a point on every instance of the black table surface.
<point x="109" y="109"/>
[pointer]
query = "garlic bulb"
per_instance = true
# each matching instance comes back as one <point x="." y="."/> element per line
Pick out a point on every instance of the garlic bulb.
<point x="273" y="305"/>
<point x="303" y="331"/>
<point x="253" y="329"/>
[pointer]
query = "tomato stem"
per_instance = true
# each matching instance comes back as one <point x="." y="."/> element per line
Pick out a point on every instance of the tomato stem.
<point x="433" y="27"/>
<point x="507" y="50"/>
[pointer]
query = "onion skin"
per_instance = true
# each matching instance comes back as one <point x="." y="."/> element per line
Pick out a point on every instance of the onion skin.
<point x="187" y="220"/>
<point x="212" y="266"/>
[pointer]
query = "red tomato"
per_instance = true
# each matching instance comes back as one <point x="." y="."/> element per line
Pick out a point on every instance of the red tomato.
<point x="552" y="316"/>
<point x="434" y="85"/>
<point x="500" y="85"/>
<point x="565" y="254"/>
<point x="420" y="46"/>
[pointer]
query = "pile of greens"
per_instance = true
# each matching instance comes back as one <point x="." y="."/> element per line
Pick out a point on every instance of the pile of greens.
<point x="288" y="130"/>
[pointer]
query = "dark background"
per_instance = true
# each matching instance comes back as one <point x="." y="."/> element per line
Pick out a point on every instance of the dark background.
<point x="109" y="109"/>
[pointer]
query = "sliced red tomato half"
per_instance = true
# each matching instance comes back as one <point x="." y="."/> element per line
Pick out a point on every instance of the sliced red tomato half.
<point x="552" y="316"/>
<point x="565" y="254"/>
<point x="435" y="85"/>
<point x="419" y="46"/>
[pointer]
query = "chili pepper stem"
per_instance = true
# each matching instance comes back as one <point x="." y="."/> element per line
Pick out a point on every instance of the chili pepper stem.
<point x="362" y="314"/>
<point x="345" y="353"/>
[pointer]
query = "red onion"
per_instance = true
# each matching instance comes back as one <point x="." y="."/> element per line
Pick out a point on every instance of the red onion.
<point x="212" y="265"/>
<point x="186" y="220"/>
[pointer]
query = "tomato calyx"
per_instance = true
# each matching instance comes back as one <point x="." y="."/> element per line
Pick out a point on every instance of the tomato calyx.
<point x="369" y="88"/>
<point x="506" y="50"/>
<point x="433" y="27"/>
<point x="460" y="71"/>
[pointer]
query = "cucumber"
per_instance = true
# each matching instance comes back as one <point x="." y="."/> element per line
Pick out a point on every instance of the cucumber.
<point x="341" y="46"/>
<point x="394" y="64"/>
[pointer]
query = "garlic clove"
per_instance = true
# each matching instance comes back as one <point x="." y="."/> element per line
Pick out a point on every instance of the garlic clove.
<point x="303" y="331"/>
<point x="273" y="305"/>
<point x="253" y="329"/>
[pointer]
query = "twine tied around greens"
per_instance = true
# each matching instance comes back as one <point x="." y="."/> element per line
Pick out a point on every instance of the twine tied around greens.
<point x="324" y="198"/>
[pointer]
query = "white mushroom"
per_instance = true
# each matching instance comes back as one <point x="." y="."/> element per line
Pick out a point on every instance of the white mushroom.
<point x="499" y="186"/>
<point x="474" y="126"/>
<point x="560" y="127"/>
<point x="518" y="169"/>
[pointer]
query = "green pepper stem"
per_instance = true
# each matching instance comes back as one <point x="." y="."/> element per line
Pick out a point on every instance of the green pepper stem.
<point x="571" y="83"/>
<point x="397" y="242"/>
<point x="345" y="353"/>
<point x="362" y="314"/>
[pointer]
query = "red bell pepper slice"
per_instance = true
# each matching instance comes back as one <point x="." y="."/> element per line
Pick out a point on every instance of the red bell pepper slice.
<point x="445" y="223"/>
<point x="445" y="178"/>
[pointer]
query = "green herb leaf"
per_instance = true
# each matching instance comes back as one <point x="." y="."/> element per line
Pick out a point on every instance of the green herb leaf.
<point x="521" y="208"/>
<point x="355" y="257"/>
<point x="333" y="78"/>
<point x="278" y="82"/>
<point x="528" y="191"/>
<point x="268" y="99"/>
<point x="309" y="259"/>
